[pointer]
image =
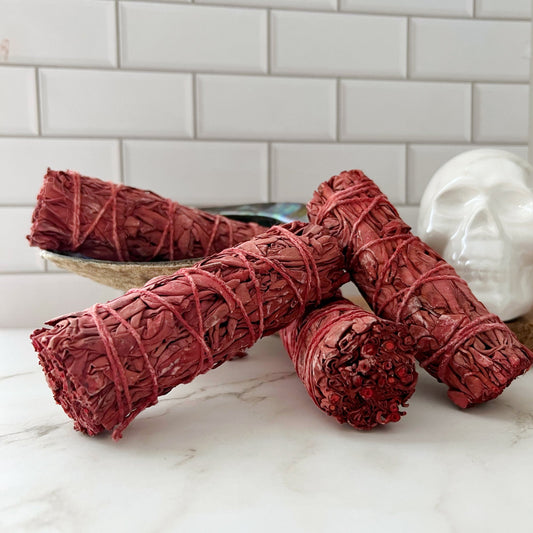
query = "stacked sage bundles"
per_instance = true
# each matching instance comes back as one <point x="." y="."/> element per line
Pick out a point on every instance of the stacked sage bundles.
<point x="356" y="367"/>
<point x="457" y="340"/>
<point x="105" y="220"/>
<point x="108" y="363"/>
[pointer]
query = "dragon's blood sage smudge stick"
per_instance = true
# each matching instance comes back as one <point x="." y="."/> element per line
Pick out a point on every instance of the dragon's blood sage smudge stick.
<point x="356" y="366"/>
<point x="105" y="220"/>
<point x="457" y="340"/>
<point x="111" y="361"/>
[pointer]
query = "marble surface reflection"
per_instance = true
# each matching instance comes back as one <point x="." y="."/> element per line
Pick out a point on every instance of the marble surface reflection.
<point x="243" y="449"/>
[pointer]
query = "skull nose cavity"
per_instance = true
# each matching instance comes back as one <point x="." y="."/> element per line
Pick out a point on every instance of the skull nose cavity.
<point x="483" y="223"/>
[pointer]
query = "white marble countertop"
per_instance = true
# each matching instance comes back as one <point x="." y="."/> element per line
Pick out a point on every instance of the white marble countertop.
<point x="243" y="449"/>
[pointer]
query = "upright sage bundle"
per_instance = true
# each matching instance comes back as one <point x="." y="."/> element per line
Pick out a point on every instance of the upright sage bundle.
<point x="457" y="340"/>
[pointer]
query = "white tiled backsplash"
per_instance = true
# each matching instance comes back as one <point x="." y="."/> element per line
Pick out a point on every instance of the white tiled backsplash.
<point x="229" y="101"/>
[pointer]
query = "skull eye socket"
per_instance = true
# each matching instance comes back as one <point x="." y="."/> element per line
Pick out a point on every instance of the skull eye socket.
<point x="452" y="202"/>
<point x="513" y="205"/>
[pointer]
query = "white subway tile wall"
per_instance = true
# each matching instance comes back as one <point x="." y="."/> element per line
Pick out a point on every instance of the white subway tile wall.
<point x="513" y="9"/>
<point x="107" y="103"/>
<point x="31" y="299"/>
<point x="499" y="112"/>
<point x="266" y="108"/>
<point x="18" y="101"/>
<point x="297" y="169"/>
<point x="404" y="111"/>
<point x="426" y="159"/>
<point x="469" y="49"/>
<point x="24" y="161"/>
<point x="409" y="214"/>
<point x="60" y="32"/>
<point x="190" y="171"/>
<point x="193" y="37"/>
<point x="330" y="5"/>
<point x="448" y="8"/>
<point x="338" y="44"/>
<point x="234" y="101"/>
<point x="16" y="255"/>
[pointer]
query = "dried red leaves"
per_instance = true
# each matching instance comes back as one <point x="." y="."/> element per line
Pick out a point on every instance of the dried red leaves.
<point x="109" y="362"/>
<point x="105" y="220"/>
<point x="458" y="341"/>
<point x="356" y="367"/>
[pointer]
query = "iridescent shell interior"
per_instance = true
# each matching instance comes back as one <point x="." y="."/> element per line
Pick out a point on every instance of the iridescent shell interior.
<point x="126" y="275"/>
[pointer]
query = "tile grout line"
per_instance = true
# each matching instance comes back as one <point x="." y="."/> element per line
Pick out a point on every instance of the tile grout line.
<point x="27" y="272"/>
<point x="256" y="74"/>
<point x="459" y="16"/>
<point x="269" y="40"/>
<point x="33" y="272"/>
<point x="269" y="171"/>
<point x="38" y="99"/>
<point x="117" y="32"/>
<point x="17" y="205"/>
<point x="406" y="170"/>
<point x="122" y="177"/>
<point x="237" y="140"/>
<point x="408" y="50"/>
<point x="195" y="118"/>
<point x="338" y="111"/>
<point x="471" y="112"/>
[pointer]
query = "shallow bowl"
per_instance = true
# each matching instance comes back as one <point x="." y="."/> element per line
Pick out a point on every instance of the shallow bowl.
<point x="125" y="275"/>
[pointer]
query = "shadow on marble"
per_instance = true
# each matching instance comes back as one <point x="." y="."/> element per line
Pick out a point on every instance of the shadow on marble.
<point x="260" y="398"/>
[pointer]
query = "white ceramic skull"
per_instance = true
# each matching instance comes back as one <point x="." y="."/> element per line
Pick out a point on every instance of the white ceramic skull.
<point x="477" y="212"/>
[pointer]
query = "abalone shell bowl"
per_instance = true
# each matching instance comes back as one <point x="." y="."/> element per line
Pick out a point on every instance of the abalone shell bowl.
<point x="125" y="275"/>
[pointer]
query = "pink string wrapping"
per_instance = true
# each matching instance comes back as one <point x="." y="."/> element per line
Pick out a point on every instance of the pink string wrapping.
<point x="114" y="363"/>
<point x="76" y="213"/>
<point x="213" y="291"/>
<point x="106" y="220"/>
<point x="400" y="277"/>
<point x="78" y="240"/>
<point x="121" y="250"/>
<point x="350" y="313"/>
<point x="328" y="346"/>
<point x="464" y="334"/>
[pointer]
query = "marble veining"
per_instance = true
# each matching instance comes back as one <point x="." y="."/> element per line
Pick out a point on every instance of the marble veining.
<point x="243" y="448"/>
<point x="523" y="421"/>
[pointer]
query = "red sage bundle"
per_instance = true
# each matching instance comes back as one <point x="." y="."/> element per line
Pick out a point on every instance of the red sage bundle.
<point x="458" y="341"/>
<point x="356" y="367"/>
<point x="106" y="220"/>
<point x="111" y="361"/>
